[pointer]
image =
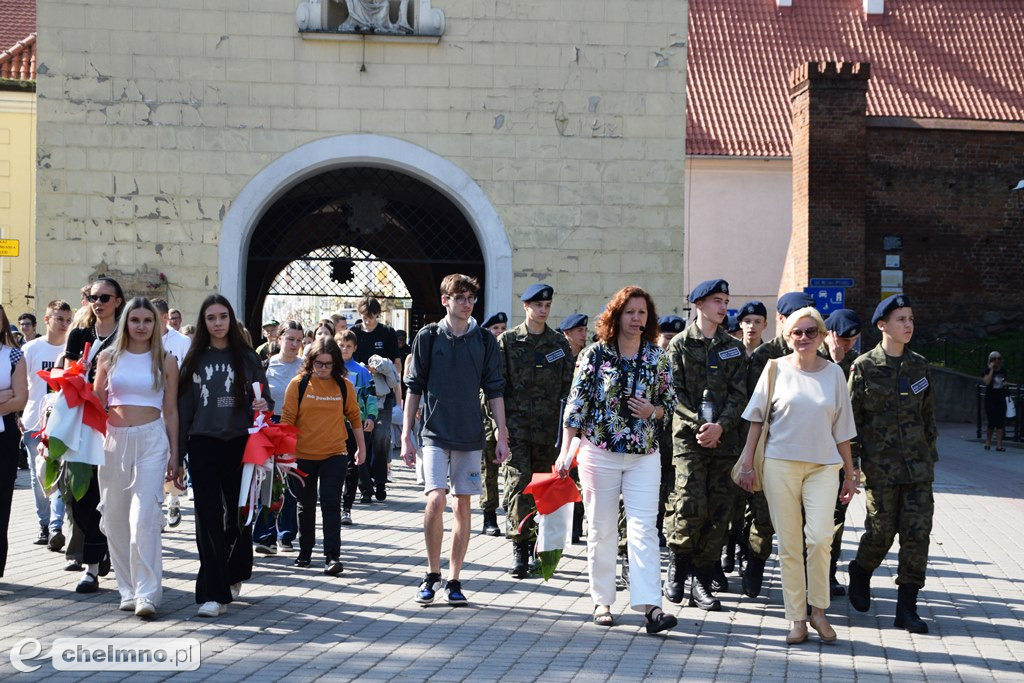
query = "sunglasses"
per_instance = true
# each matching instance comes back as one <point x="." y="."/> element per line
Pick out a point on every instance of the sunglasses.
<point x="102" y="298"/>
<point x="810" y="332"/>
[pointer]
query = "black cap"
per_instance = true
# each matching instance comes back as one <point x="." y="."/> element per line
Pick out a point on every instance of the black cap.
<point x="890" y="304"/>
<point x="537" y="292"/>
<point x="707" y="288"/>
<point x="791" y="302"/>
<point x="499" y="317"/>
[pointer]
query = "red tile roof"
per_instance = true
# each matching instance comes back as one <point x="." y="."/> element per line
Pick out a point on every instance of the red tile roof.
<point x="954" y="59"/>
<point x="18" y="39"/>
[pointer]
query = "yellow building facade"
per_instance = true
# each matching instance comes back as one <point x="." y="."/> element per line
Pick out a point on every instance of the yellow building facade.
<point x="18" y="199"/>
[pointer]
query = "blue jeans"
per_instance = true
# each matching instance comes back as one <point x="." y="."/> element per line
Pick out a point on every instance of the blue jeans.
<point x="49" y="510"/>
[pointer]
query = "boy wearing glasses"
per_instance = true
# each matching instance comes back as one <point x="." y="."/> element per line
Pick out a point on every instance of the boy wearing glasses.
<point x="538" y="364"/>
<point x="451" y="362"/>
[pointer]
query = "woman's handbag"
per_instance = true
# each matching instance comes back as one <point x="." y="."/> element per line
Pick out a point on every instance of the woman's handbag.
<point x="1011" y="408"/>
<point x="758" y="464"/>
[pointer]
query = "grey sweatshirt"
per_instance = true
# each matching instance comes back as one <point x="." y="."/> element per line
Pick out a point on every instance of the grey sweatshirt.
<point x="449" y="372"/>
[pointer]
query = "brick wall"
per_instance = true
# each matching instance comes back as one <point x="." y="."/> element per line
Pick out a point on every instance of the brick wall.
<point x="569" y="115"/>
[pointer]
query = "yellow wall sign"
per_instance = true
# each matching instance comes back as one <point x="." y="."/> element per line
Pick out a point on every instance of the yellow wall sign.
<point x="8" y="247"/>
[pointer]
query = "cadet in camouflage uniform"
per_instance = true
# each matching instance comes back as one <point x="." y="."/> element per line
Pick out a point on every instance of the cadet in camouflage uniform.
<point x="752" y="319"/>
<point x="759" y="539"/>
<point x="574" y="329"/>
<point x="893" y="406"/>
<point x="496" y="325"/>
<point x="538" y="366"/>
<point x="843" y="326"/>
<point x="704" y="359"/>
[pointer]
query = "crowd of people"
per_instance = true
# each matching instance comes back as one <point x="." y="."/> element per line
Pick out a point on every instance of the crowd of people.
<point x="699" y="437"/>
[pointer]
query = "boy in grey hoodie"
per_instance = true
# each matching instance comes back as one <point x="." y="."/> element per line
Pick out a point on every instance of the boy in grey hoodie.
<point x="451" y="363"/>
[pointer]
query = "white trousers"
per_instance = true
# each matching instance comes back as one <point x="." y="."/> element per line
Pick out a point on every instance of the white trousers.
<point x="802" y="501"/>
<point x="605" y="476"/>
<point x="131" y="490"/>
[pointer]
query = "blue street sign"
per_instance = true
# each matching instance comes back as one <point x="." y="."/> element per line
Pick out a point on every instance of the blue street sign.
<point x="831" y="282"/>
<point x="827" y="299"/>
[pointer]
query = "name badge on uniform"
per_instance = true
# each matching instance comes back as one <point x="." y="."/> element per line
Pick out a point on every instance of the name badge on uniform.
<point x="557" y="354"/>
<point x="904" y="386"/>
<point x="920" y="385"/>
<point x="729" y="353"/>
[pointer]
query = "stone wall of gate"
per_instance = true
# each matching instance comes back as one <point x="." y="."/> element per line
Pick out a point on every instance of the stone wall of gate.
<point x="569" y="115"/>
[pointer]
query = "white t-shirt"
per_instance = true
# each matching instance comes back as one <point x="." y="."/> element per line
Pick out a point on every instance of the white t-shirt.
<point x="177" y="344"/>
<point x="810" y="413"/>
<point x="39" y="355"/>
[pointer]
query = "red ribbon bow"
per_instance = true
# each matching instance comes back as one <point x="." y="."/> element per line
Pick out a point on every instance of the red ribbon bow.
<point x="267" y="439"/>
<point x="77" y="390"/>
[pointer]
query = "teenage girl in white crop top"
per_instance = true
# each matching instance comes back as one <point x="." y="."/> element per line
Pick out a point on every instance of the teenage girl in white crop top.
<point x="139" y="384"/>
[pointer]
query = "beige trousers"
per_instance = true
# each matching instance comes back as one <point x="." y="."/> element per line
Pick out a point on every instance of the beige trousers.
<point x="802" y="499"/>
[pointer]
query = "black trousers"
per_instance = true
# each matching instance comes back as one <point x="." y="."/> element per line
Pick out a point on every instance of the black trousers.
<point x="379" y="453"/>
<point x="225" y="547"/>
<point x="87" y="516"/>
<point x="9" y="447"/>
<point x="330" y="473"/>
<point x="357" y="476"/>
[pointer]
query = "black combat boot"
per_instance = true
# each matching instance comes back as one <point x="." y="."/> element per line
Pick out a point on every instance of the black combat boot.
<point x="520" y="559"/>
<point x="837" y="589"/>
<point x="491" y="523"/>
<point x="577" y="523"/>
<point x="729" y="556"/>
<point x="906" y="609"/>
<point x="860" y="587"/>
<point x="622" y="581"/>
<point x="675" y="581"/>
<point x="719" y="584"/>
<point x="753" y="576"/>
<point x="700" y="591"/>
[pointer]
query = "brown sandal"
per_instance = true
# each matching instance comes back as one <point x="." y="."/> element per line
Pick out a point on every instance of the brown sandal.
<point x="604" y="618"/>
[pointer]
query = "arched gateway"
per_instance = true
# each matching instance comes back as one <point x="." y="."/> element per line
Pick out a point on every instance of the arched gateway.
<point x="405" y="205"/>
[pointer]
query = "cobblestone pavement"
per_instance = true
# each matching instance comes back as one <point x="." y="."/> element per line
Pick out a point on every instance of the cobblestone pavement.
<point x="303" y="626"/>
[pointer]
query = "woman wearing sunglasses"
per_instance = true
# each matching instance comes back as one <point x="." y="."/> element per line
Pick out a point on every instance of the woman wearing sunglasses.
<point x="811" y="424"/>
<point x="318" y="401"/>
<point x="96" y="328"/>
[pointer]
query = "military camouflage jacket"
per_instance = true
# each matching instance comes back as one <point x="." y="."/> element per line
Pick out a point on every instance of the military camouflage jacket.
<point x="845" y="364"/>
<point x="538" y="374"/>
<point x="893" y="407"/>
<point x="717" y="364"/>
<point x="758" y="360"/>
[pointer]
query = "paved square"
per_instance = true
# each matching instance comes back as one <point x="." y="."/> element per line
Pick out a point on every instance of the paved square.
<point x="304" y="626"/>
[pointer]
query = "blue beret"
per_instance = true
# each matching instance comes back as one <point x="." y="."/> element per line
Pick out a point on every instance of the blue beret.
<point x="573" y="321"/>
<point x="752" y="308"/>
<point x="732" y="323"/>
<point x="499" y="317"/>
<point x="707" y="288"/>
<point x="671" y="323"/>
<point x="890" y="304"/>
<point x="844" y="322"/>
<point x="791" y="302"/>
<point x="538" y="292"/>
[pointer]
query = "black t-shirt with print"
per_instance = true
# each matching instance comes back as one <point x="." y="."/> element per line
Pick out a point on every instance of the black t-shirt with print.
<point x="381" y="342"/>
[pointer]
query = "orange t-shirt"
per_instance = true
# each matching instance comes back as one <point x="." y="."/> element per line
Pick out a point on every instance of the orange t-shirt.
<point x="321" y="416"/>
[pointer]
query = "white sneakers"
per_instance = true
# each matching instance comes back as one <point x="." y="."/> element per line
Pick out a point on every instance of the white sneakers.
<point x="144" y="608"/>
<point x="127" y="605"/>
<point x="236" y="590"/>
<point x="211" y="609"/>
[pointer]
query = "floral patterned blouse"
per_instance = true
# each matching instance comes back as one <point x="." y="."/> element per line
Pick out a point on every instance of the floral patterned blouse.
<point x="598" y="407"/>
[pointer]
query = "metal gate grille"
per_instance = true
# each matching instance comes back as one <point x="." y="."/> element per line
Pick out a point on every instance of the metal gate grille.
<point x="357" y="230"/>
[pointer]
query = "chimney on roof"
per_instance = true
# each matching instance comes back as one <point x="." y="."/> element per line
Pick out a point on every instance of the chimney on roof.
<point x="874" y="11"/>
<point x="785" y="7"/>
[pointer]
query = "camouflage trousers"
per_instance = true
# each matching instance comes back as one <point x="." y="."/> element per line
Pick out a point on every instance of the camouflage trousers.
<point x="904" y="509"/>
<point x="759" y="519"/>
<point x="489" y="496"/>
<point x="526" y="459"/>
<point x="696" y="518"/>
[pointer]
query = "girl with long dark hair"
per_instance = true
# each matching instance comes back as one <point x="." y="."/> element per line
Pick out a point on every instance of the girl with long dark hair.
<point x="138" y="382"/>
<point x="215" y="409"/>
<point x="13" y="396"/>
<point x="96" y="328"/>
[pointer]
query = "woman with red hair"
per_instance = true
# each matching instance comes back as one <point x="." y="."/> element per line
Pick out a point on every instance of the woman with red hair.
<point x="621" y="389"/>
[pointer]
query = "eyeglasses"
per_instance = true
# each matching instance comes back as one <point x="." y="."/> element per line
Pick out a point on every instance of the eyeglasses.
<point x="463" y="300"/>
<point x="810" y="332"/>
<point x="323" y="366"/>
<point x="102" y="298"/>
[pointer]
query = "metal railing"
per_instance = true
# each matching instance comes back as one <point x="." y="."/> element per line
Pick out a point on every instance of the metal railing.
<point x="1013" y="424"/>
